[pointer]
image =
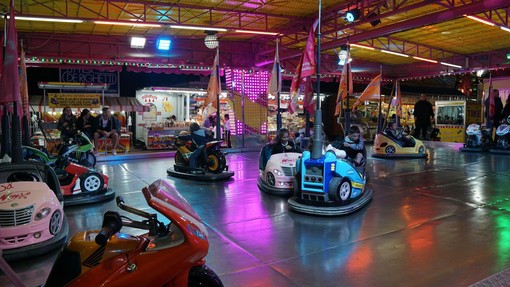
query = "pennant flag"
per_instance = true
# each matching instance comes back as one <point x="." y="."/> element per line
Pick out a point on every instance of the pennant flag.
<point x="372" y="91"/>
<point x="23" y="84"/>
<point x="9" y="84"/>
<point x="342" y="88"/>
<point x="274" y="85"/>
<point x="213" y="89"/>
<point x="306" y="67"/>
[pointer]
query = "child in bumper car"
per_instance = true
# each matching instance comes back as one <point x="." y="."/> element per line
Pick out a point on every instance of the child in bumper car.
<point x="354" y="146"/>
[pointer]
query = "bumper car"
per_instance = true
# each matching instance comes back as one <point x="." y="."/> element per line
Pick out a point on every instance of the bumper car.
<point x="32" y="219"/>
<point x="328" y="186"/>
<point x="478" y="139"/>
<point x="211" y="164"/>
<point x="276" y="172"/>
<point x="387" y="146"/>
<point x="503" y="139"/>
<point x="81" y="184"/>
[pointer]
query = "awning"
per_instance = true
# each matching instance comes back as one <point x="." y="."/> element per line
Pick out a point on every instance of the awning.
<point x="116" y="104"/>
<point x="127" y="104"/>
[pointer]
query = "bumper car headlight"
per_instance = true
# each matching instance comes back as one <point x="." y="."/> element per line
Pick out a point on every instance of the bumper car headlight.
<point x="277" y="172"/>
<point x="43" y="213"/>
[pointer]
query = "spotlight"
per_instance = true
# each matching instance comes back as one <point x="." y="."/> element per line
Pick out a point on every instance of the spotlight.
<point x="164" y="44"/>
<point x="352" y="15"/>
<point x="137" y="42"/>
<point x="211" y="40"/>
<point x="375" y="22"/>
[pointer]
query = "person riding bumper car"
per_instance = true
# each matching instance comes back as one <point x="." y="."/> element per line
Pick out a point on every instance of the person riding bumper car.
<point x="391" y="143"/>
<point x="478" y="139"/>
<point x="503" y="138"/>
<point x="276" y="171"/>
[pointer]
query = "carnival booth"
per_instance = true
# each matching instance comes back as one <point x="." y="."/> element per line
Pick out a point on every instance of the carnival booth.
<point x="453" y="117"/>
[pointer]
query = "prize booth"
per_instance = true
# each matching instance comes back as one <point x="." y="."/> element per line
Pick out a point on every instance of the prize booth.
<point x="452" y="118"/>
<point x="47" y="109"/>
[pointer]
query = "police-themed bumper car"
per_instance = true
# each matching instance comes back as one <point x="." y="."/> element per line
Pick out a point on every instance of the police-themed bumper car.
<point x="503" y="139"/>
<point x="81" y="184"/>
<point x="387" y="146"/>
<point x="32" y="219"/>
<point x="211" y="164"/>
<point x="276" y="172"/>
<point x="478" y="139"/>
<point x="328" y="186"/>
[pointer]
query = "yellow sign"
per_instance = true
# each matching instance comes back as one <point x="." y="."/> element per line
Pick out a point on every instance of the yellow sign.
<point x="74" y="100"/>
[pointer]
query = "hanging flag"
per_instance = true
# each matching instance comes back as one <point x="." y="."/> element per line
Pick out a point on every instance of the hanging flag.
<point x="306" y="67"/>
<point x="397" y="101"/>
<point x="372" y="91"/>
<point x="274" y="85"/>
<point x="213" y="89"/>
<point x="309" y="99"/>
<point x="23" y="84"/>
<point x="9" y="84"/>
<point x="342" y="87"/>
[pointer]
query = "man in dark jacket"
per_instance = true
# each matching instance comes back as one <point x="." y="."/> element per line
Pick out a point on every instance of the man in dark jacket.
<point x="198" y="135"/>
<point x="423" y="115"/>
<point x="107" y="126"/>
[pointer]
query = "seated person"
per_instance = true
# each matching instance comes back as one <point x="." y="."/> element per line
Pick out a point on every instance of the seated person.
<point x="67" y="124"/>
<point x="283" y="144"/>
<point x="354" y="146"/>
<point x="85" y="123"/>
<point x="106" y="126"/>
<point x="198" y="136"/>
<point x="327" y="146"/>
<point x="397" y="135"/>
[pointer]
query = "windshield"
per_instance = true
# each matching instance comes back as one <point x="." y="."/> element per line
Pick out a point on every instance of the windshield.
<point x="168" y="194"/>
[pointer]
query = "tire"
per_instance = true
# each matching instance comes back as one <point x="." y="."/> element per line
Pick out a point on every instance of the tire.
<point x="339" y="189"/>
<point x="91" y="182"/>
<point x="88" y="159"/>
<point x="55" y="222"/>
<point x="270" y="180"/>
<point x="179" y="159"/>
<point x="216" y="162"/>
<point x="203" y="276"/>
<point x="421" y="150"/>
<point x="390" y="149"/>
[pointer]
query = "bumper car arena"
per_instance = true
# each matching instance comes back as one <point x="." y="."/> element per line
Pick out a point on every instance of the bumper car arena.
<point x="255" y="143"/>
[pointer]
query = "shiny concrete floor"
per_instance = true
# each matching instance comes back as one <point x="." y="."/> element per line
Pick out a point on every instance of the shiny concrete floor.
<point x="441" y="221"/>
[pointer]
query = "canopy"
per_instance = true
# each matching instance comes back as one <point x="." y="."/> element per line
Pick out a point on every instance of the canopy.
<point x="116" y="104"/>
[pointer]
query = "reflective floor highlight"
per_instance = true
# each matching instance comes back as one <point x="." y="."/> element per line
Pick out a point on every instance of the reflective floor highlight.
<point x="441" y="221"/>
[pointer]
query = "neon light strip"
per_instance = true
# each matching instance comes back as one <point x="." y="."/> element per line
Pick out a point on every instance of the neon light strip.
<point x="480" y="20"/>
<point x="451" y="65"/>
<point x="361" y="46"/>
<point x="426" y="60"/>
<point x="47" y="19"/>
<point x="198" y="28"/>
<point x="127" y="24"/>
<point x="505" y="28"/>
<point x="257" y="32"/>
<point x="394" y="53"/>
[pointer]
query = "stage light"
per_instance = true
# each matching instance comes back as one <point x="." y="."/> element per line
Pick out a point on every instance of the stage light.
<point x="352" y="15"/>
<point x="137" y="42"/>
<point x="164" y="44"/>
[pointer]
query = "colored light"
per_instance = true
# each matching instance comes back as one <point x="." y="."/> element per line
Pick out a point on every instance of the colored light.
<point x="451" y="65"/>
<point x="137" y="42"/>
<point x="394" y="53"/>
<point x="47" y="19"/>
<point x="424" y="59"/>
<point x="480" y="20"/>
<point x="197" y="28"/>
<point x="127" y="24"/>
<point x="164" y="44"/>
<point x="256" y="32"/>
<point x="361" y="46"/>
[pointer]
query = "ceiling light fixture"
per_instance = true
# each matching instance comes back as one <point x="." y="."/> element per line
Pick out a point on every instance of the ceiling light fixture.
<point x="363" y="47"/>
<point x="425" y="59"/>
<point x="504" y="28"/>
<point x="23" y="18"/>
<point x="164" y="44"/>
<point x="198" y="28"/>
<point x="127" y="24"/>
<point x="394" y="53"/>
<point x="480" y="20"/>
<point x="451" y="65"/>
<point x="137" y="42"/>
<point x="256" y="32"/>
